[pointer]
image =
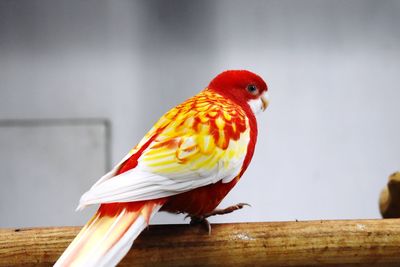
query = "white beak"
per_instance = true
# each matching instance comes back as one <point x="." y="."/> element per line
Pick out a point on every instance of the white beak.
<point x="265" y="100"/>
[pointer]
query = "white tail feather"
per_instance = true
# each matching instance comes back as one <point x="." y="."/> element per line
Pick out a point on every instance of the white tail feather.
<point x="99" y="253"/>
<point x="120" y="249"/>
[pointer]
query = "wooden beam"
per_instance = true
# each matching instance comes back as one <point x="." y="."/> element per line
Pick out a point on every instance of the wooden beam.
<point x="308" y="243"/>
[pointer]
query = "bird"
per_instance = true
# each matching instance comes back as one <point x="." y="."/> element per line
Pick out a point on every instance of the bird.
<point x="187" y="163"/>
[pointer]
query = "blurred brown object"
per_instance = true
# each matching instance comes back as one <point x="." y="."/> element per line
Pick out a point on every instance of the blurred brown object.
<point x="389" y="201"/>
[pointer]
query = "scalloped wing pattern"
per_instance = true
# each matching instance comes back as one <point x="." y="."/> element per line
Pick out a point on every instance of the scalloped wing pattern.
<point x="206" y="136"/>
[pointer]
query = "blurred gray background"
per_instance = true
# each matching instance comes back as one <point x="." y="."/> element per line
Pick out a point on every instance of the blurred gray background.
<point x="82" y="81"/>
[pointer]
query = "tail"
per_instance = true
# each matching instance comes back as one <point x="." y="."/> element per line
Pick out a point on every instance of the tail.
<point x="108" y="236"/>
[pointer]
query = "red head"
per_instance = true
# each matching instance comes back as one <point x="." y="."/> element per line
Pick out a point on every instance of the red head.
<point x="242" y="87"/>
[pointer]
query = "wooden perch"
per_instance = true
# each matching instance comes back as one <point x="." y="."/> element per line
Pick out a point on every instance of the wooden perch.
<point x="311" y="243"/>
<point x="389" y="201"/>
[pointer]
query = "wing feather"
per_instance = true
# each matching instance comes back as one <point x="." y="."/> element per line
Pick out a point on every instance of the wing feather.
<point x="200" y="142"/>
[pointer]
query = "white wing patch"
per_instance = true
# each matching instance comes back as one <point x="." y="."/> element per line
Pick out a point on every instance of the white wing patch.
<point x="137" y="185"/>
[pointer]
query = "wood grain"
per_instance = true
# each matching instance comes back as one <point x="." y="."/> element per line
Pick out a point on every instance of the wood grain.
<point x="308" y="243"/>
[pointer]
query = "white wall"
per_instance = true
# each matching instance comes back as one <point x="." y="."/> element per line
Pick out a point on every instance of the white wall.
<point x="328" y="140"/>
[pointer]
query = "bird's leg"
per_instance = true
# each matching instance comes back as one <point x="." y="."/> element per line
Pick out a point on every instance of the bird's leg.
<point x="203" y="219"/>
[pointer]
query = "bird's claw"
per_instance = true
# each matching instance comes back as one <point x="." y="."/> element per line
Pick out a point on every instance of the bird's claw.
<point x="227" y="210"/>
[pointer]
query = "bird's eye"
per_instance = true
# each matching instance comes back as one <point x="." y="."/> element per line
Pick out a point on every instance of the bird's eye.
<point x="252" y="89"/>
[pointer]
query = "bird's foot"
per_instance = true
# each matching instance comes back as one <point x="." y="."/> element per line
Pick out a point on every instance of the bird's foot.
<point x="203" y="219"/>
<point x="226" y="210"/>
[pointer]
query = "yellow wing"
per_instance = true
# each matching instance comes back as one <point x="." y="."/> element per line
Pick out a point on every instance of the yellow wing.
<point x="199" y="142"/>
<point x="205" y="136"/>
